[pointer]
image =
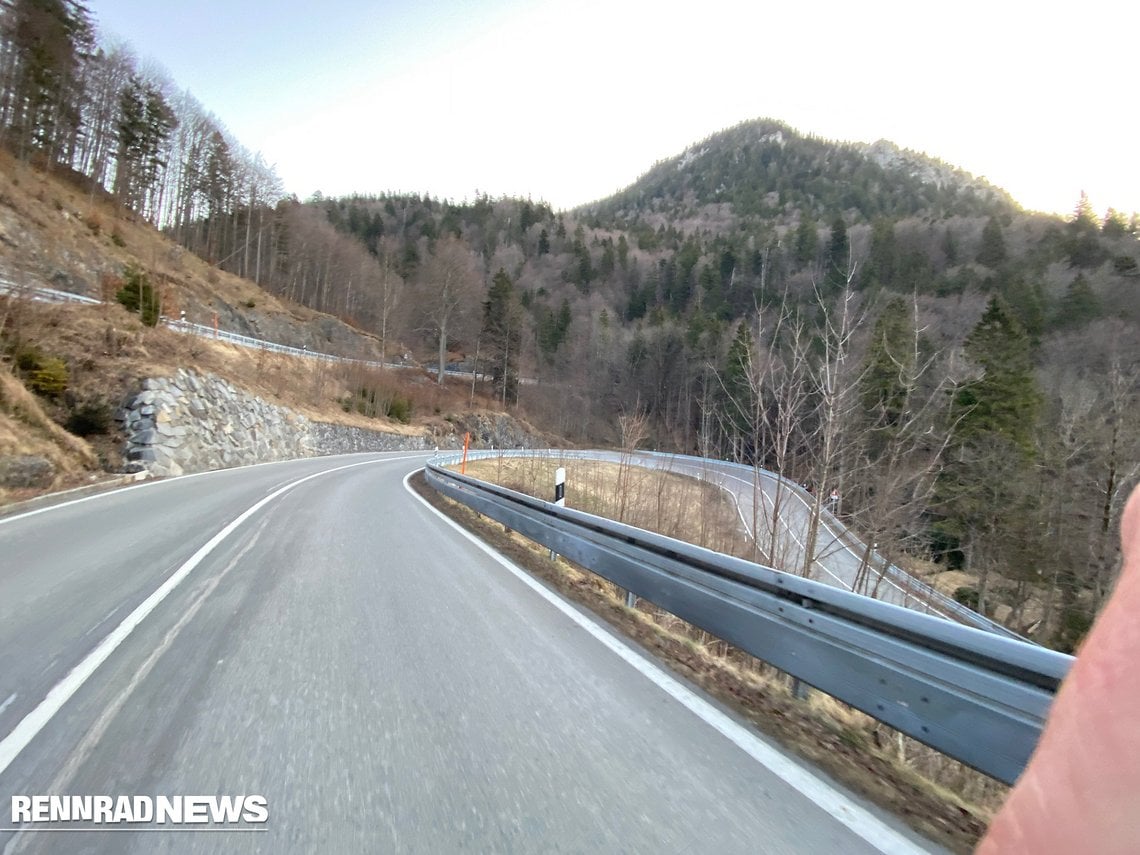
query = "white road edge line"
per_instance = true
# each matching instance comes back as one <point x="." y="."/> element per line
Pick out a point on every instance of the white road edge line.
<point x="151" y="484"/>
<point x="35" y="721"/>
<point x="856" y="818"/>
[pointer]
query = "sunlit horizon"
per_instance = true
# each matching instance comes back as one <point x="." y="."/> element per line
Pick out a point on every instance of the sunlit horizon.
<point x="572" y="102"/>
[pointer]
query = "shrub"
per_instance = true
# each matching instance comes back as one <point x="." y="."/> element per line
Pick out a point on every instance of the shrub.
<point x="967" y="597"/>
<point x="28" y="358"/>
<point x="137" y="295"/>
<point x="1075" y="624"/>
<point x="377" y="402"/>
<point x="89" y="418"/>
<point x="50" y="378"/>
<point x="117" y="238"/>
<point x="363" y="402"/>
<point x="400" y="408"/>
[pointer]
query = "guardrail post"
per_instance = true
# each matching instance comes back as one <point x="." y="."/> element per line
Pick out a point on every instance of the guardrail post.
<point x="559" y="495"/>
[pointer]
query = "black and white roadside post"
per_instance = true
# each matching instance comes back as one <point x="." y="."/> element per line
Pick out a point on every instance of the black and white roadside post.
<point x="559" y="495"/>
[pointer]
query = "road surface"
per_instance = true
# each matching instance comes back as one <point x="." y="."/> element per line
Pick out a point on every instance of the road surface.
<point x="313" y="633"/>
<point x="769" y="505"/>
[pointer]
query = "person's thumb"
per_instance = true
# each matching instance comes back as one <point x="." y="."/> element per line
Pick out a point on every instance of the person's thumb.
<point x="1081" y="789"/>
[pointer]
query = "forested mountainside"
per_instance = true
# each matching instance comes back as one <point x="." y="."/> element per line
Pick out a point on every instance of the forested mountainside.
<point x="963" y="373"/>
<point x="768" y="172"/>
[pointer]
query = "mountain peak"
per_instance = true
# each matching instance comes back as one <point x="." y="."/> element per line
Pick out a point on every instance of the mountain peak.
<point x="766" y="170"/>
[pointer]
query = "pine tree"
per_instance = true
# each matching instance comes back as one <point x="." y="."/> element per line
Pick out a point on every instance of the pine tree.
<point x="807" y="242"/>
<point x="1004" y="401"/>
<point x="985" y="488"/>
<point x="836" y="265"/>
<point x="992" y="252"/>
<point x="736" y="380"/>
<point x="131" y="131"/>
<point x="1083" y="244"/>
<point x="883" y="265"/>
<point x="44" y="44"/>
<point x="1079" y="305"/>
<point x="1084" y="218"/>
<point x="553" y="329"/>
<point x="890" y="361"/>
<point x="145" y="123"/>
<point x="502" y="335"/>
<point x="1115" y="225"/>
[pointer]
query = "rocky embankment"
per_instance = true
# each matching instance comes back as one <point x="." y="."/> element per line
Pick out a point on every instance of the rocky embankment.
<point x="192" y="422"/>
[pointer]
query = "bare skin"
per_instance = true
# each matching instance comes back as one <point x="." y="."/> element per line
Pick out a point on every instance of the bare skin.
<point x="1081" y="789"/>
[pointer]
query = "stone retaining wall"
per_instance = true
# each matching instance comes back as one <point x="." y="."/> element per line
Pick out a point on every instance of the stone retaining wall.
<point x="196" y="422"/>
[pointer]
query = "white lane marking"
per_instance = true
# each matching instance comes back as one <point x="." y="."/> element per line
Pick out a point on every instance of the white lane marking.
<point x="857" y="819"/>
<point x="7" y="703"/>
<point x="37" y="719"/>
<point x="95" y="733"/>
<point x="159" y="483"/>
<point x="849" y="586"/>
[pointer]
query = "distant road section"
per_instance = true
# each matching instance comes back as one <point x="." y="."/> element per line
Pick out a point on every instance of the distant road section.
<point x="312" y="633"/>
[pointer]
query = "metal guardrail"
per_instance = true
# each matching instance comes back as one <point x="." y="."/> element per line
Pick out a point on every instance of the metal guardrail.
<point x="911" y="584"/>
<point x="976" y="696"/>
<point x="922" y="597"/>
<point x="839" y="530"/>
<point x="51" y="295"/>
<point x="261" y="344"/>
<point x="46" y="295"/>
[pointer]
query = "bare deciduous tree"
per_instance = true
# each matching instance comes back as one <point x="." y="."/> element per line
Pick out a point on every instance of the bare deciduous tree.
<point x="448" y="294"/>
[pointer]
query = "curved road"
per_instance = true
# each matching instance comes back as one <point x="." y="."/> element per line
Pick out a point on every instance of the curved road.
<point x="313" y="633"/>
<point x="765" y="503"/>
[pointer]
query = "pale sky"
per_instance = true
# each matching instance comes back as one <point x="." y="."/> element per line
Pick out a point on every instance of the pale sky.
<point x="571" y="100"/>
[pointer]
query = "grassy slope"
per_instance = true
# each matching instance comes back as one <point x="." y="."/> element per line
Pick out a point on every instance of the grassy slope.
<point x="55" y="234"/>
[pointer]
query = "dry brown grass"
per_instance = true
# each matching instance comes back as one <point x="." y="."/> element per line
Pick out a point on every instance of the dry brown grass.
<point x="670" y="504"/>
<point x="108" y="349"/>
<point x="108" y="352"/>
<point x="55" y="230"/>
<point x="881" y="762"/>
<point x="26" y="429"/>
<point x="68" y="228"/>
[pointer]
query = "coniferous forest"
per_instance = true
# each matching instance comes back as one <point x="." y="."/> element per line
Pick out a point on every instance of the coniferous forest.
<point x="964" y="373"/>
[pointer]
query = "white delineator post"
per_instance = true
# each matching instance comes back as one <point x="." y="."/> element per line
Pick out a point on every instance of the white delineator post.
<point x="560" y="487"/>
<point x="559" y="495"/>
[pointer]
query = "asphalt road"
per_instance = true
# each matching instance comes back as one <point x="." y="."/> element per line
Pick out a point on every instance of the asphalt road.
<point x="767" y="506"/>
<point x="386" y="684"/>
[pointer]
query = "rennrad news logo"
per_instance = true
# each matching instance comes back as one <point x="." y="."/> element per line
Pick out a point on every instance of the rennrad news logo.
<point x="104" y="813"/>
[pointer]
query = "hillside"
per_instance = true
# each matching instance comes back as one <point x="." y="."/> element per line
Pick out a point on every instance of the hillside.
<point x="68" y="368"/>
<point x="766" y="171"/>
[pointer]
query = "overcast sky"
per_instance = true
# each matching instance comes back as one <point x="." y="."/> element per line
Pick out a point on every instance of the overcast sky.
<point x="571" y="100"/>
